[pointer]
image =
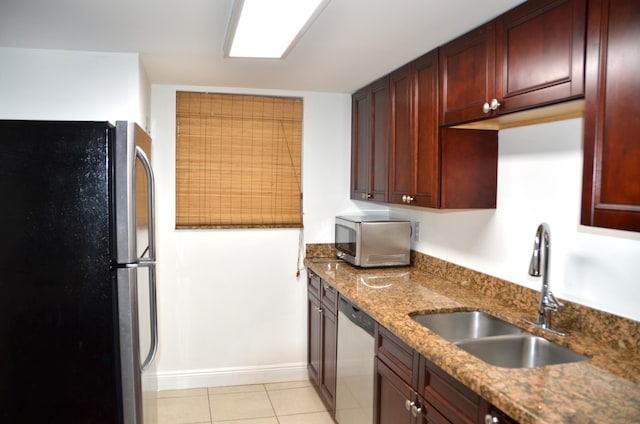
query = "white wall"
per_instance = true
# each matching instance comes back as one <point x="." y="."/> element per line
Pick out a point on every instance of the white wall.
<point x="231" y="309"/>
<point x="539" y="180"/>
<point x="70" y="85"/>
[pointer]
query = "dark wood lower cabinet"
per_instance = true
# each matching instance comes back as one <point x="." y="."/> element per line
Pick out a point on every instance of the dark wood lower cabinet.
<point x="314" y="338"/>
<point x="322" y="337"/>
<point x="411" y="389"/>
<point x="393" y="397"/>
<point x="329" y="358"/>
<point x="449" y="398"/>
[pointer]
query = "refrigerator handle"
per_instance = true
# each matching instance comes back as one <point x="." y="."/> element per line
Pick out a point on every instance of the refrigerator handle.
<point x="150" y="203"/>
<point x="149" y="262"/>
<point x="153" y="313"/>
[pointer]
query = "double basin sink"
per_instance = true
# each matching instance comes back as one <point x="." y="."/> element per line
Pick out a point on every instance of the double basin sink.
<point x="496" y="341"/>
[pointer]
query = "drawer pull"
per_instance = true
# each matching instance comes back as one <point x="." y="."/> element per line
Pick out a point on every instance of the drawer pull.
<point x="490" y="419"/>
<point x="416" y="410"/>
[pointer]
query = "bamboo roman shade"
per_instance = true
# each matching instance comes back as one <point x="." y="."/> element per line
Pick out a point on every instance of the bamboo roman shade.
<point x="238" y="161"/>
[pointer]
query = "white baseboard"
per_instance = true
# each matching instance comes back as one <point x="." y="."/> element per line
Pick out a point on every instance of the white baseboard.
<point x="189" y="379"/>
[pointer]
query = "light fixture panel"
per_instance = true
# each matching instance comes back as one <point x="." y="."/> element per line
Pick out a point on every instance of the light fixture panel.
<point x="269" y="28"/>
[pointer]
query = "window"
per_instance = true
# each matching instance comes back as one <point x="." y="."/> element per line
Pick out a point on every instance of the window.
<point x="238" y="161"/>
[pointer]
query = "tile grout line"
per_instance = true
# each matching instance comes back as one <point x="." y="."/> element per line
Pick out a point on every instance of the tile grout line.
<point x="271" y="403"/>
<point x="209" y="403"/>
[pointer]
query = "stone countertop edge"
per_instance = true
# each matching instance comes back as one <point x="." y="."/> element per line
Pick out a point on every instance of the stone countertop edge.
<point x="604" y="389"/>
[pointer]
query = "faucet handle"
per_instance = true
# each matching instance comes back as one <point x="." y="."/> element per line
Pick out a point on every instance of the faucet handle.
<point x="552" y="303"/>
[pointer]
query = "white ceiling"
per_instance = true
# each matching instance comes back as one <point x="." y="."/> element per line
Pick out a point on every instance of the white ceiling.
<point x="351" y="43"/>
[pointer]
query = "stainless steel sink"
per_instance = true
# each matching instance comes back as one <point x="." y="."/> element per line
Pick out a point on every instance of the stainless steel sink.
<point x="457" y="326"/>
<point x="496" y="341"/>
<point x="519" y="351"/>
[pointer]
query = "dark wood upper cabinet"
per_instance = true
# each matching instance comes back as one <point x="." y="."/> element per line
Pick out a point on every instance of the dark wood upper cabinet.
<point x="370" y="141"/>
<point x="467" y="75"/>
<point x="469" y="168"/>
<point x="611" y="176"/>
<point x="531" y="56"/>
<point x="430" y="166"/>
<point x="540" y="53"/>
<point x="414" y="153"/>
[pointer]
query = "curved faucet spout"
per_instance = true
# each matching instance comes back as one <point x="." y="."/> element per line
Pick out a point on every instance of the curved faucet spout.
<point x="539" y="267"/>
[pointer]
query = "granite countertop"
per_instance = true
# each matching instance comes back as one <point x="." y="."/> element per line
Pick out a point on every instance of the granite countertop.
<point x="604" y="389"/>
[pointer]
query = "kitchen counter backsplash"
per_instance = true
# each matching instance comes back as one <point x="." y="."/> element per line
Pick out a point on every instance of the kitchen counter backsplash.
<point x="617" y="332"/>
<point x="320" y="250"/>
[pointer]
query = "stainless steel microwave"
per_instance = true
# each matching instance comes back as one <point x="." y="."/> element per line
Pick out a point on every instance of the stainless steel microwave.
<point x="373" y="240"/>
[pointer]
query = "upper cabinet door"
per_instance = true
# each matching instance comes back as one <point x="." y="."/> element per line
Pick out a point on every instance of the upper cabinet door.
<point x="380" y="139"/>
<point x="427" y="131"/>
<point x="467" y="75"/>
<point x="540" y="53"/>
<point x="370" y="141"/>
<point x="611" y="176"/>
<point x="533" y="55"/>
<point x="360" y="143"/>
<point x="414" y="158"/>
<point x="402" y="157"/>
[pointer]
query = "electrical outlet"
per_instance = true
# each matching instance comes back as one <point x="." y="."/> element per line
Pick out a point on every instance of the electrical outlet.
<point x="416" y="231"/>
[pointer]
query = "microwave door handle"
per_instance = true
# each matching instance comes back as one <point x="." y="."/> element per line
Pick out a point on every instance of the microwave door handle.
<point x="150" y="204"/>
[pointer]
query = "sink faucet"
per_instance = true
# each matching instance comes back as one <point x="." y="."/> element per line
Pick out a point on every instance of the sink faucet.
<point x="540" y="267"/>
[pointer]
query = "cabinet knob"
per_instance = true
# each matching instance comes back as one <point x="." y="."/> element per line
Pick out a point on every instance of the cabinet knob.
<point x="319" y="310"/>
<point x="408" y="405"/>
<point x="366" y="196"/>
<point x="407" y="199"/>
<point x="490" y="419"/>
<point x="416" y="410"/>
<point x="488" y="107"/>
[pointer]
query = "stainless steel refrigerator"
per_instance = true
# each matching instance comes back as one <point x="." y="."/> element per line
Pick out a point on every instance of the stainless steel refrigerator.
<point x="78" y="326"/>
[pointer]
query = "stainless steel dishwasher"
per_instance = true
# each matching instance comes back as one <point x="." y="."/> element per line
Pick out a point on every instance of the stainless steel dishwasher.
<point x="356" y="350"/>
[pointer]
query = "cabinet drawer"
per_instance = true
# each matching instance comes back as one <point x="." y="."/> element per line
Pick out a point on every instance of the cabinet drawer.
<point x="329" y="297"/>
<point x="449" y="396"/>
<point x="402" y="359"/>
<point x="313" y="284"/>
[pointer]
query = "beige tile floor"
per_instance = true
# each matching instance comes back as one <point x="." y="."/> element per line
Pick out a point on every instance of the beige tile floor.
<point x="294" y="402"/>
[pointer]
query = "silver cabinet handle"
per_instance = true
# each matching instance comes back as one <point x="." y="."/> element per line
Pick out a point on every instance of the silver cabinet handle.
<point x="408" y="405"/>
<point x="407" y="199"/>
<point x="416" y="410"/>
<point x="490" y="419"/>
<point x="495" y="104"/>
<point x="366" y="196"/>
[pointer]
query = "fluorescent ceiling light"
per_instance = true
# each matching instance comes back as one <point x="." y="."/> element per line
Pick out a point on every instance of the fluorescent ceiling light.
<point x="268" y="28"/>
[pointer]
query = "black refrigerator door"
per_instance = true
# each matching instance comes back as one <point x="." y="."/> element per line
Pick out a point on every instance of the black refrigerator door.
<point x="58" y="361"/>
